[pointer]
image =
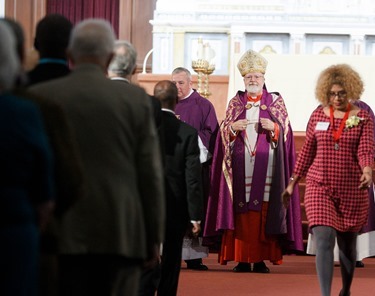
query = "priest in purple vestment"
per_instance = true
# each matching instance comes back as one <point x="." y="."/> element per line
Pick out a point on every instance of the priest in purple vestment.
<point x="198" y="112"/>
<point x="253" y="161"/>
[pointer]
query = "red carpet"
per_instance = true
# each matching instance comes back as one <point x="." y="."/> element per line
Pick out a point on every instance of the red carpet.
<point x="296" y="276"/>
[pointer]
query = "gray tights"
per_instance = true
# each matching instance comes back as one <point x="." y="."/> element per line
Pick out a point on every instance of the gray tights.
<point x="325" y="243"/>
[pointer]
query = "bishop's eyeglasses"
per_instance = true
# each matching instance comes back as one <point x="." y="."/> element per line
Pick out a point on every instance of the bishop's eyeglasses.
<point x="253" y="77"/>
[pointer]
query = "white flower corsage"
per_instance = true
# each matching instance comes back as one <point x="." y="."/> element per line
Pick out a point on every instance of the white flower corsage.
<point x="353" y="121"/>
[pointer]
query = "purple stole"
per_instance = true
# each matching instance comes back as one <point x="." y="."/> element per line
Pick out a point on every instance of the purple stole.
<point x="260" y="165"/>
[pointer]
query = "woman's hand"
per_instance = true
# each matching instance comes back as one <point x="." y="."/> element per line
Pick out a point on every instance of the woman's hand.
<point x="366" y="179"/>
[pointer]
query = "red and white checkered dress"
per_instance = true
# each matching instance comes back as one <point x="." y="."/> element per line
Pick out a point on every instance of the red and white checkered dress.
<point x="332" y="196"/>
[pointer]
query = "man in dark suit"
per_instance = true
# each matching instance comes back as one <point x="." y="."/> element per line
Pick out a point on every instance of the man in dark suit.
<point x="51" y="41"/>
<point x="183" y="186"/>
<point x="107" y="236"/>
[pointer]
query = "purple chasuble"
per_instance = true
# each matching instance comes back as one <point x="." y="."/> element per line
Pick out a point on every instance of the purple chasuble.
<point x="199" y="113"/>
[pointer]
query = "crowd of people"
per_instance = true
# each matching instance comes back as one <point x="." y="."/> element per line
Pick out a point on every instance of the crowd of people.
<point x="107" y="189"/>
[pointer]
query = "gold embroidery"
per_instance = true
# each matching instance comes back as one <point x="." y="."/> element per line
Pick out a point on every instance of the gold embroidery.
<point x="278" y="110"/>
<point x="235" y="108"/>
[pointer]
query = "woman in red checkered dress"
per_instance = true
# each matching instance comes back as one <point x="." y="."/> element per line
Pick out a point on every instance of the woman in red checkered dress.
<point x="336" y="159"/>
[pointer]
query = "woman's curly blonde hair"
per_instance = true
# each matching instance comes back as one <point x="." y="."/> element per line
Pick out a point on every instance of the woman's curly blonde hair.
<point x="343" y="75"/>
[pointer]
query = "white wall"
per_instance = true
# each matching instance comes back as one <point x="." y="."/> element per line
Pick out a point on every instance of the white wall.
<point x="294" y="76"/>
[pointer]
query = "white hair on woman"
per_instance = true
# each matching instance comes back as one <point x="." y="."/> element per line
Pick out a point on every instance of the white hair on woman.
<point x="92" y="38"/>
<point x="9" y="65"/>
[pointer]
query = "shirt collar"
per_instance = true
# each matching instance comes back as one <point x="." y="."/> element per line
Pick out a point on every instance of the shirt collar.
<point x="121" y="79"/>
<point x="168" y="110"/>
<point x="191" y="91"/>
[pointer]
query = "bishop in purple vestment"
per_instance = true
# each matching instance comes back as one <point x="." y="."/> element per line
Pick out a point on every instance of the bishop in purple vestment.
<point x="239" y="194"/>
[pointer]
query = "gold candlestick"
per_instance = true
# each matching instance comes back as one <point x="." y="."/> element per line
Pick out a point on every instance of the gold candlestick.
<point x="200" y="66"/>
<point x="208" y="71"/>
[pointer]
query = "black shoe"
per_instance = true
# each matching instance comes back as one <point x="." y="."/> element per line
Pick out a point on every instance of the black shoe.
<point x="197" y="266"/>
<point x="359" y="264"/>
<point x="260" y="267"/>
<point x="242" y="267"/>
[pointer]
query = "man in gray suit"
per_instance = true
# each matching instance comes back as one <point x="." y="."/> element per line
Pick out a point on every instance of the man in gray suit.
<point x="121" y="70"/>
<point x="106" y="237"/>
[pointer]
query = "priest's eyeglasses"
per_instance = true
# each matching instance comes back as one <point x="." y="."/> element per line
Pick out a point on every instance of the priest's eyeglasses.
<point x="341" y="94"/>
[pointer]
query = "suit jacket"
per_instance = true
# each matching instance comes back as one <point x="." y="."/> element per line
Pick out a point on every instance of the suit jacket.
<point x="156" y="115"/>
<point x="182" y="172"/>
<point x="67" y="162"/>
<point x="46" y="71"/>
<point x="26" y="169"/>
<point x="124" y="210"/>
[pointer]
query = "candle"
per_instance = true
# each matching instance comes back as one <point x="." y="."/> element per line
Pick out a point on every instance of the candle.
<point x="207" y="52"/>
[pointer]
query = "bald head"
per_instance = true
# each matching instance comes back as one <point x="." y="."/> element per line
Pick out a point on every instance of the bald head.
<point x="166" y="92"/>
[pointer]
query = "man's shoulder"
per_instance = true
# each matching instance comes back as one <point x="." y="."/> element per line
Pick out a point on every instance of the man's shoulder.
<point x="188" y="129"/>
<point x="199" y="99"/>
<point x="125" y="85"/>
<point x="47" y="89"/>
<point x="41" y="101"/>
<point x="45" y="72"/>
<point x="172" y="119"/>
<point x="238" y="96"/>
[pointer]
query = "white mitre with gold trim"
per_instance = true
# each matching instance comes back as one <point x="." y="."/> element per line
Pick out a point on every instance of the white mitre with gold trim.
<point x="252" y="62"/>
